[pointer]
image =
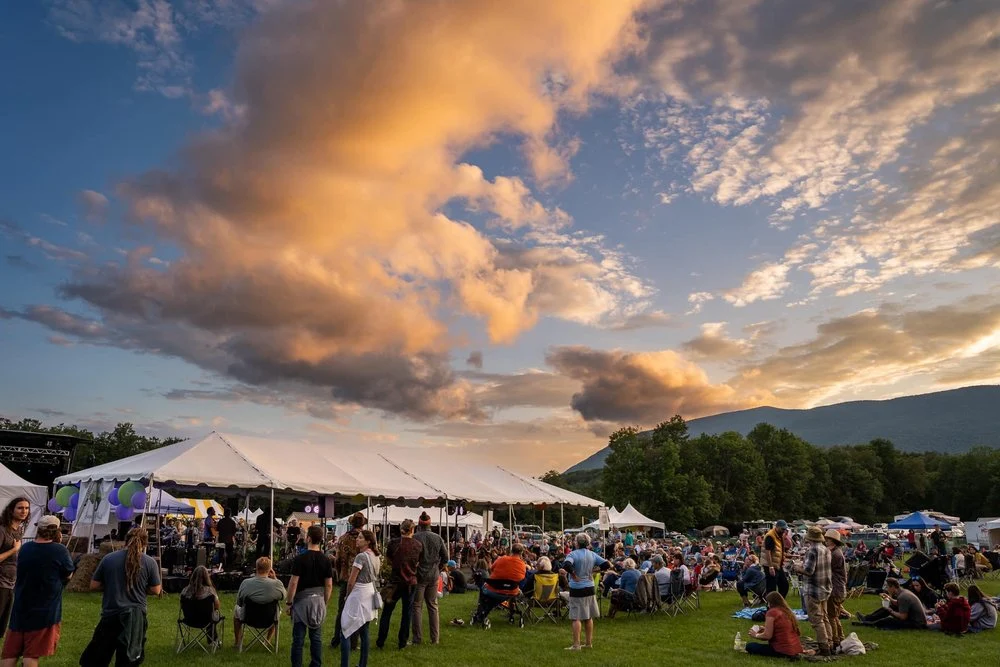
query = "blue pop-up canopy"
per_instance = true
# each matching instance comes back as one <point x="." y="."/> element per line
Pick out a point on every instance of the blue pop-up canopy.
<point x="918" y="521"/>
<point x="163" y="503"/>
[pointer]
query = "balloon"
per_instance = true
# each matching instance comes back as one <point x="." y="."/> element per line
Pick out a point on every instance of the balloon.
<point x="74" y="501"/>
<point x="64" y="494"/>
<point x="54" y="506"/>
<point x="69" y="514"/>
<point x="139" y="500"/>
<point x="126" y="491"/>
<point x="123" y="513"/>
<point x="113" y="496"/>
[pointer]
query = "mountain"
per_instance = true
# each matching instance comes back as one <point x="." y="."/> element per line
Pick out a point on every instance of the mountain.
<point x="945" y="421"/>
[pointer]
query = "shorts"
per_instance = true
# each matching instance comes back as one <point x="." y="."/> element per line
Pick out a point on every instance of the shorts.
<point x="32" y="644"/>
<point x="583" y="609"/>
<point x="238" y="613"/>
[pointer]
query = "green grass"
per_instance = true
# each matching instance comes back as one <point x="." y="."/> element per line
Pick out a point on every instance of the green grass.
<point x="699" y="638"/>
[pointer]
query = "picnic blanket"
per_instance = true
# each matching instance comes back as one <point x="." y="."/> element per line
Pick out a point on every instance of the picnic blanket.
<point x="810" y="643"/>
<point x="747" y="613"/>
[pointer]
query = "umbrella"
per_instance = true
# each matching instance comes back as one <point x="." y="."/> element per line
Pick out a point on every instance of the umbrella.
<point x="713" y="531"/>
<point x="823" y="522"/>
<point x="837" y="526"/>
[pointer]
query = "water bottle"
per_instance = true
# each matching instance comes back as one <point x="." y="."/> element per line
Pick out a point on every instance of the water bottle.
<point x="738" y="644"/>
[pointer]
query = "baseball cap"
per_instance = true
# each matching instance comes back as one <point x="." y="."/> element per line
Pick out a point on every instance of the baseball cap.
<point x="452" y="563"/>
<point x="781" y="524"/>
<point x="48" y="521"/>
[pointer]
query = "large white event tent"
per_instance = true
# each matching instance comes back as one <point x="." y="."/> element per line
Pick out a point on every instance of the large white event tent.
<point x="12" y="486"/>
<point x="238" y="464"/>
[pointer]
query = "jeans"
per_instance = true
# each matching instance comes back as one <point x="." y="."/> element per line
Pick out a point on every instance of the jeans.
<point x="778" y="582"/>
<point x="345" y="647"/>
<point x="816" y="609"/>
<point x="757" y="648"/>
<point x="315" y="645"/>
<point x="488" y="601"/>
<point x="341" y="599"/>
<point x="402" y="592"/>
<point x="426" y="593"/>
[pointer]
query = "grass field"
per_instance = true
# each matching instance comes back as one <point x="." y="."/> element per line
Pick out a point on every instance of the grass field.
<point x="704" y="637"/>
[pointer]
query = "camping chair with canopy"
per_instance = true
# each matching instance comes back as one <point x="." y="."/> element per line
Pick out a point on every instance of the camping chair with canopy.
<point x="197" y="625"/>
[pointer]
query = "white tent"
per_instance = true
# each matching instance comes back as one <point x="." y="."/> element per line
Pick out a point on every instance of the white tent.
<point x="12" y="486"/>
<point x="627" y="518"/>
<point x="397" y="514"/>
<point x="239" y="463"/>
<point x="249" y="515"/>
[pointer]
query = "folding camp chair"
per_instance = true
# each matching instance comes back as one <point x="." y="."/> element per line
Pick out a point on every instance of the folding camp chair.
<point x="259" y="620"/>
<point x="656" y="603"/>
<point x="692" y="599"/>
<point x="545" y="598"/>
<point x="994" y="559"/>
<point x="675" y="602"/>
<point x="643" y="595"/>
<point x="857" y="585"/>
<point x="196" y="625"/>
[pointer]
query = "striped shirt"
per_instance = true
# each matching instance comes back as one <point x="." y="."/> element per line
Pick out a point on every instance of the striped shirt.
<point x="819" y="579"/>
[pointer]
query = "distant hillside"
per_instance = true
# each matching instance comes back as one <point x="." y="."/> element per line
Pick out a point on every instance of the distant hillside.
<point x="946" y="421"/>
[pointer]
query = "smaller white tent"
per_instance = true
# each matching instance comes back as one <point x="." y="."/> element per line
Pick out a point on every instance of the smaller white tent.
<point x="629" y="517"/>
<point x="249" y="515"/>
<point x="397" y="514"/>
<point x="12" y="486"/>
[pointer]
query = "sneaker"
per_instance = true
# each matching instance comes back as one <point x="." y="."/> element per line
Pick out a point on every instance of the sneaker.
<point x="486" y="624"/>
<point x="859" y="616"/>
<point x="574" y="647"/>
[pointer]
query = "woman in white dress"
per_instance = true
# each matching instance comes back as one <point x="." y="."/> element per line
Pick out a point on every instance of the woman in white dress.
<point x="363" y="599"/>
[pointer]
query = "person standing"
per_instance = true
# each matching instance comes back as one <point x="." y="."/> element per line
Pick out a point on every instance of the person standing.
<point x="292" y="535"/>
<point x="309" y="592"/>
<point x="404" y="554"/>
<point x="210" y="529"/>
<point x="265" y="533"/>
<point x="43" y="569"/>
<point x="11" y="533"/>
<point x="817" y="586"/>
<point x="346" y="549"/>
<point x="838" y="592"/>
<point x="362" y="603"/>
<point x="226" y="528"/>
<point x="579" y="566"/>
<point x="125" y="578"/>
<point x="433" y="558"/>
<point x="772" y="559"/>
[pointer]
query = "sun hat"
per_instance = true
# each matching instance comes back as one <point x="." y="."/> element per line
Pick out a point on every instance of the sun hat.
<point x="833" y="534"/>
<point x="814" y="534"/>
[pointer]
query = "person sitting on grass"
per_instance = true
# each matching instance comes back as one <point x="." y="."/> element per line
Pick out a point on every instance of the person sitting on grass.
<point x="780" y="631"/>
<point x="926" y="594"/>
<point x="982" y="612"/>
<point x="953" y="612"/>
<point x="623" y="594"/>
<point x="901" y="610"/>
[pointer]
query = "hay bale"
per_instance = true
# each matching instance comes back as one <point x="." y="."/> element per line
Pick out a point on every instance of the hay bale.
<point x="85" y="568"/>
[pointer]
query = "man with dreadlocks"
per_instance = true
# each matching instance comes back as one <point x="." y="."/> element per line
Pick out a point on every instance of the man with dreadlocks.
<point x="126" y="578"/>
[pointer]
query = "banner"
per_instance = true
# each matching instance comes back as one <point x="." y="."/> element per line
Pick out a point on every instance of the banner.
<point x="95" y="509"/>
<point x="603" y="519"/>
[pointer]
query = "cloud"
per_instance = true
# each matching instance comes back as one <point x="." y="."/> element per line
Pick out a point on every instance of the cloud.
<point x="321" y="237"/>
<point x="697" y="300"/>
<point x="536" y="389"/>
<point x="763" y="284"/>
<point x="641" y="387"/>
<point x="655" y="318"/>
<point x="881" y="116"/>
<point x="713" y="344"/>
<point x="475" y="359"/>
<point x="93" y="205"/>
<point x="51" y="250"/>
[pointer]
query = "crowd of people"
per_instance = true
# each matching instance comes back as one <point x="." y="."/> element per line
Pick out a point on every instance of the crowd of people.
<point x="419" y="567"/>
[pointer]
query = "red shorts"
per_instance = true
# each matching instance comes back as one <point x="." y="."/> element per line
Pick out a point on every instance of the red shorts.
<point x="32" y="644"/>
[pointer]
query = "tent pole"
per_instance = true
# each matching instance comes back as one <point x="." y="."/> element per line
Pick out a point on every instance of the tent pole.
<point x="159" y="542"/>
<point x="543" y="521"/>
<point x="270" y="527"/>
<point x="447" y="527"/>
<point x="510" y="520"/>
<point x="562" y="518"/>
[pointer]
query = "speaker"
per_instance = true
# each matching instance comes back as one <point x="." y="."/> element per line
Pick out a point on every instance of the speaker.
<point x="326" y="507"/>
<point x="232" y="506"/>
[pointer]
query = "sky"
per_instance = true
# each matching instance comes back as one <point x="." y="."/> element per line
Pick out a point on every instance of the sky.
<point x="500" y="229"/>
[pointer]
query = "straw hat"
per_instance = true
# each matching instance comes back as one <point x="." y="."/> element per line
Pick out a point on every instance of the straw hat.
<point x="814" y="534"/>
<point x="835" y="535"/>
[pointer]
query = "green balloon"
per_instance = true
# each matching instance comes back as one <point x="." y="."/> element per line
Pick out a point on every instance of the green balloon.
<point x="64" y="494"/>
<point x="127" y="490"/>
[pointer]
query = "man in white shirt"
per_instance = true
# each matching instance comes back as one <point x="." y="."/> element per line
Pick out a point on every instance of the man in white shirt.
<point x="662" y="575"/>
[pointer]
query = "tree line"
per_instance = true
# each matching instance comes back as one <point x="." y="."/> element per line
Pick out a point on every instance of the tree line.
<point x="769" y="473"/>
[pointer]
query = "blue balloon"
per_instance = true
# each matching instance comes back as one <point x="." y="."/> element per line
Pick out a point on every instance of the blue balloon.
<point x="139" y="500"/>
<point x="123" y="513"/>
<point x="74" y="501"/>
<point x="113" y="496"/>
<point x="54" y="506"/>
<point x="69" y="514"/>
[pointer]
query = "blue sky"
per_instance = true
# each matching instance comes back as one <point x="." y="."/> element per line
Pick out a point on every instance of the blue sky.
<point x="499" y="228"/>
